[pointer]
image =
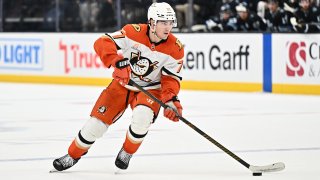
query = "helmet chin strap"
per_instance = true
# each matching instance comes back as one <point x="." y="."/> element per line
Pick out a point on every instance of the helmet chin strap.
<point x="155" y="32"/>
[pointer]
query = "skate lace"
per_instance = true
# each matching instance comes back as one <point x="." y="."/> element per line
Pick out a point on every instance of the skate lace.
<point x="67" y="161"/>
<point x="124" y="156"/>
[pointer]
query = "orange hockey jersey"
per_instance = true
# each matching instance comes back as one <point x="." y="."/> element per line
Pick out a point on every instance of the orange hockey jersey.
<point x="152" y="64"/>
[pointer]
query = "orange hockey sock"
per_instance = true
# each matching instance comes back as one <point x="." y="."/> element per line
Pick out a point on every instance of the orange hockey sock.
<point x="131" y="147"/>
<point x="76" y="152"/>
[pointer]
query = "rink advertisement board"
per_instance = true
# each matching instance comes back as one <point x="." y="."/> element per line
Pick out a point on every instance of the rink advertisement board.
<point x="212" y="61"/>
<point x="67" y="58"/>
<point x="21" y="53"/>
<point x="296" y="63"/>
<point x="50" y="54"/>
<point x="223" y="61"/>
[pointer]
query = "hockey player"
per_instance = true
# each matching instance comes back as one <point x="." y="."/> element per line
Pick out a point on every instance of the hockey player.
<point x="152" y="57"/>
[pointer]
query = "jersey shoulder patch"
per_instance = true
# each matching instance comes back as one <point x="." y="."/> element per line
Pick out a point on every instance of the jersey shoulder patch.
<point x="135" y="28"/>
<point x="136" y="32"/>
<point x="179" y="44"/>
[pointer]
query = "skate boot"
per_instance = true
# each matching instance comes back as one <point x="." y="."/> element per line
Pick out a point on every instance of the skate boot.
<point x="65" y="162"/>
<point x="122" y="160"/>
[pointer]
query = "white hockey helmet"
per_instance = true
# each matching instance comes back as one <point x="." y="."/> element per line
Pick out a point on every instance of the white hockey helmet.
<point x="162" y="12"/>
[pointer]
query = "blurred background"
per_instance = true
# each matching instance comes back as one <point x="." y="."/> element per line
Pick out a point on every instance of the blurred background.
<point x="193" y="15"/>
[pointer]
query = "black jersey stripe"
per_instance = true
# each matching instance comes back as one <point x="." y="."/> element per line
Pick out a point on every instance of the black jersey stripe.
<point x="118" y="47"/>
<point x="170" y="73"/>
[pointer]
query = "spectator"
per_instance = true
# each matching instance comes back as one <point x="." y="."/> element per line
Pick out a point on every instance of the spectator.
<point x="133" y="11"/>
<point x="292" y="3"/>
<point x="106" y="16"/>
<point x="88" y="10"/>
<point x="246" y="20"/>
<point x="315" y="3"/>
<point x="69" y="17"/>
<point x="201" y="10"/>
<point x="307" y="18"/>
<point x="233" y="4"/>
<point x="261" y="8"/>
<point x="277" y="19"/>
<point x="287" y="5"/>
<point x="252" y="5"/>
<point x="182" y="11"/>
<point x="220" y="23"/>
<point x="50" y="17"/>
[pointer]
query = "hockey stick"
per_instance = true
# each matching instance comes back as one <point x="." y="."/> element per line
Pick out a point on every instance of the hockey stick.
<point x="255" y="169"/>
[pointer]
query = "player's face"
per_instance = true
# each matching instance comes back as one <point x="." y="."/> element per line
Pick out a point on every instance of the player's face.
<point x="163" y="28"/>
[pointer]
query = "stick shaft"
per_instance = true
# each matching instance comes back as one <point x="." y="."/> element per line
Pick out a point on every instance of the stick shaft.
<point x="203" y="134"/>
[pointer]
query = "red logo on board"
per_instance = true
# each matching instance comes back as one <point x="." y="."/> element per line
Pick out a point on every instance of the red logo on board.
<point x="297" y="59"/>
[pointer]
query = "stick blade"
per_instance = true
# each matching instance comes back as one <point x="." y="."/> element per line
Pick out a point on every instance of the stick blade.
<point x="279" y="166"/>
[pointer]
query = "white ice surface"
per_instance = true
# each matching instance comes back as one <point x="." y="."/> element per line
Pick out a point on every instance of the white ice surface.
<point x="38" y="122"/>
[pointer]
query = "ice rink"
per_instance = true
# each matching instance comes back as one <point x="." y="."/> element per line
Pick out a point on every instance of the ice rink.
<point x="38" y="122"/>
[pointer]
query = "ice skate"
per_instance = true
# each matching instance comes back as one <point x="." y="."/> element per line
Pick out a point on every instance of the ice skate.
<point x="122" y="160"/>
<point x="63" y="163"/>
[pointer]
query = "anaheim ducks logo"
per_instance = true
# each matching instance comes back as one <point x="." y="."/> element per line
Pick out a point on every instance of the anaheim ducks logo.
<point x="142" y="66"/>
